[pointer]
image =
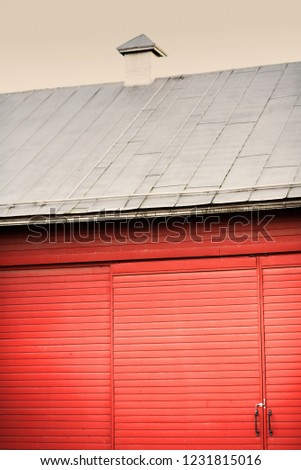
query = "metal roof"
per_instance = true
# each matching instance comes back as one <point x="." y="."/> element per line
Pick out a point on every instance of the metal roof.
<point x="206" y="140"/>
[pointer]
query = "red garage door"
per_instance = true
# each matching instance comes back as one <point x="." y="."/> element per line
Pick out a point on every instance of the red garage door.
<point x="282" y="318"/>
<point x="187" y="355"/>
<point x="198" y="344"/>
<point x="55" y="359"/>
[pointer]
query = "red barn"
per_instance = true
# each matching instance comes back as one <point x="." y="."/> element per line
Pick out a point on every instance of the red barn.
<point x="151" y="263"/>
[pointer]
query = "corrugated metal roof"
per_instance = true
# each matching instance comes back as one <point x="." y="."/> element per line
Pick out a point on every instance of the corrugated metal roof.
<point x="207" y="139"/>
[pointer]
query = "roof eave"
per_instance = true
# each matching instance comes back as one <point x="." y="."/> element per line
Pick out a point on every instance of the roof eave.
<point x="149" y="213"/>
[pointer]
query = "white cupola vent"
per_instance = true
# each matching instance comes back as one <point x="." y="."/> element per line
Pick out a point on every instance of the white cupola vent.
<point x="138" y="53"/>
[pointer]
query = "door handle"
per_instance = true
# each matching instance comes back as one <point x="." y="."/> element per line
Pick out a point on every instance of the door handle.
<point x="256" y="417"/>
<point x="258" y="405"/>
<point x="269" y="423"/>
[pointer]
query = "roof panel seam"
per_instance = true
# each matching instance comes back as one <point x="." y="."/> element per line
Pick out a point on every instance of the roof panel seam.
<point x="21" y="122"/>
<point x="37" y="129"/>
<point x="258" y="119"/>
<point x="277" y="140"/>
<point x="226" y="123"/>
<point x="127" y="142"/>
<point x="251" y="130"/>
<point x="182" y="127"/>
<point x="4" y="116"/>
<point x="51" y="140"/>
<point x="80" y="134"/>
<point x="114" y="143"/>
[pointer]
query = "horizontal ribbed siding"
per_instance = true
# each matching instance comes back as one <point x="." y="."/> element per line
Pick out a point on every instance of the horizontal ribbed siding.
<point x="186" y="355"/>
<point x="55" y="358"/>
<point x="186" y="359"/>
<point x="282" y="306"/>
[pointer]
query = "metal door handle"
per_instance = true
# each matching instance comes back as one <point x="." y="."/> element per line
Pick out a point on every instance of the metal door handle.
<point x="258" y="405"/>
<point x="256" y="416"/>
<point x="269" y="422"/>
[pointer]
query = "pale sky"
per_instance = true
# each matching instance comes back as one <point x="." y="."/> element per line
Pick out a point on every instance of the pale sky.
<point x="52" y="43"/>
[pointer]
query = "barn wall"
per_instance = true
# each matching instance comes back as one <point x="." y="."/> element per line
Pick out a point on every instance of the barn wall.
<point x="214" y="235"/>
<point x="98" y="317"/>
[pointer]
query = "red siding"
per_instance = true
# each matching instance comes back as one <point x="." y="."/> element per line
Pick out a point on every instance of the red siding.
<point x="216" y="236"/>
<point x="55" y="358"/>
<point x="201" y="335"/>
